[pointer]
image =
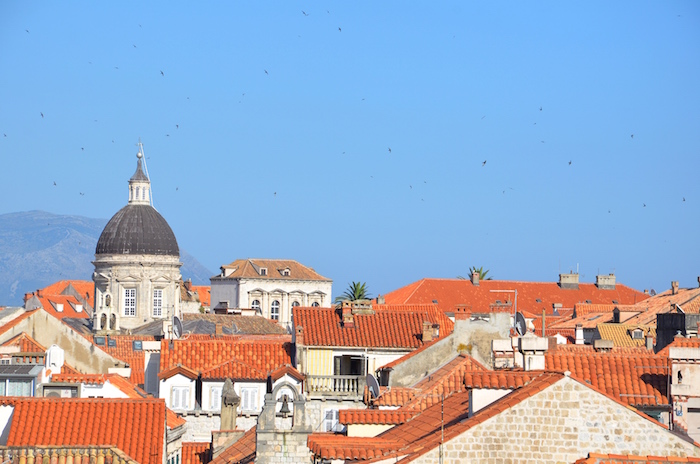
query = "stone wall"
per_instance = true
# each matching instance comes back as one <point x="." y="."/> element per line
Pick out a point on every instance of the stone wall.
<point x="562" y="423"/>
<point x="282" y="447"/>
<point x="200" y="426"/>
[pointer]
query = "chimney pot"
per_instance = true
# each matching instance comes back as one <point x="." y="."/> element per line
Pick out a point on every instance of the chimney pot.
<point x="348" y="318"/>
<point x="579" y="334"/>
<point x="475" y="278"/>
<point x="427" y="331"/>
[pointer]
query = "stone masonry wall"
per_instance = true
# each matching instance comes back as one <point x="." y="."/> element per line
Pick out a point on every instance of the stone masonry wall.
<point x="562" y="423"/>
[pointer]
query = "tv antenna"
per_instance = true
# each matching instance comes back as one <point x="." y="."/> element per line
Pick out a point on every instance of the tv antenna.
<point x="520" y="324"/>
<point x="177" y="327"/>
<point x="373" y="386"/>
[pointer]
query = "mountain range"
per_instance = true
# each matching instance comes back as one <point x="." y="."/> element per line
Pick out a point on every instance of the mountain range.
<point x="39" y="248"/>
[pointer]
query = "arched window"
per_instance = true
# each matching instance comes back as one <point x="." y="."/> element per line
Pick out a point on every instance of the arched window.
<point x="295" y="304"/>
<point x="255" y="305"/>
<point x="315" y="304"/>
<point x="275" y="311"/>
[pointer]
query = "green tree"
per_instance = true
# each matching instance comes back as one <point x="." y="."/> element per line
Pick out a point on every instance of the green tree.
<point x="355" y="291"/>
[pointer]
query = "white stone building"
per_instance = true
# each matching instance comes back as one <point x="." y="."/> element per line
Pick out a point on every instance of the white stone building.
<point x="137" y="264"/>
<point x="271" y="287"/>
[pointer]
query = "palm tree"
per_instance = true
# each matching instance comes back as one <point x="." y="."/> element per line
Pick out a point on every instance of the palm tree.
<point x="480" y="271"/>
<point x="355" y="291"/>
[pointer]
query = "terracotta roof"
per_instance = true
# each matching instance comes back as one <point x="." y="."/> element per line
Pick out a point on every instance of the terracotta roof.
<point x="581" y="309"/>
<point x="124" y="351"/>
<point x="60" y="306"/>
<point x="287" y="369"/>
<point x="680" y="342"/>
<point x="383" y="329"/>
<point x="204" y="294"/>
<point x="88" y="379"/>
<point x="241" y="452"/>
<point x="110" y="454"/>
<point x="394" y="396"/>
<point x="236" y="324"/>
<point x="136" y="427"/>
<point x="588" y="321"/>
<point x="596" y="458"/>
<point x="264" y="354"/>
<point x="688" y="298"/>
<point x="621" y="334"/>
<point x="5" y="327"/>
<point x="84" y="288"/>
<point x="235" y="370"/>
<point x="25" y="343"/>
<point x="178" y="369"/>
<point x="376" y="416"/>
<point x="332" y="446"/>
<point x="451" y="293"/>
<point x="250" y="268"/>
<point x="499" y="380"/>
<point x="195" y="452"/>
<point x="638" y="378"/>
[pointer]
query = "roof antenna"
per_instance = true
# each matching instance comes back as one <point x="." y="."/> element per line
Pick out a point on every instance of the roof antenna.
<point x="142" y="157"/>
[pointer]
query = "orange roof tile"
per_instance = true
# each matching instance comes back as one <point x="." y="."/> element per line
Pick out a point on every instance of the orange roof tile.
<point x="25" y="343"/>
<point x="241" y="452"/>
<point x="376" y="416"/>
<point x="204" y="294"/>
<point x="89" y="379"/>
<point x="124" y="351"/>
<point x="262" y="353"/>
<point x="195" y="452"/>
<point x="248" y="268"/>
<point x="178" y="369"/>
<point x="638" y="378"/>
<point x="451" y="293"/>
<point x="621" y="334"/>
<point x="394" y="396"/>
<point x="383" y="329"/>
<point x="688" y="298"/>
<point x="84" y="288"/>
<point x="287" y="369"/>
<point x="137" y="427"/>
<point x="680" y="342"/>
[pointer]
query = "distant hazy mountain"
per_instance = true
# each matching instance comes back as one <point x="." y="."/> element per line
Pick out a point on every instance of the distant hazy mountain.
<point x="39" y="248"/>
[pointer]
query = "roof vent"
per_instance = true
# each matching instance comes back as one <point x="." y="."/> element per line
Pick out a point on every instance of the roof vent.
<point x="435" y="302"/>
<point x="539" y="300"/>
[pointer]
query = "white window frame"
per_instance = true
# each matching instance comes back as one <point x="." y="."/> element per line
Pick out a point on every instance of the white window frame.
<point x="255" y="305"/>
<point x="215" y="398"/>
<point x="157" y="302"/>
<point x="331" y="420"/>
<point x="129" y="302"/>
<point x="295" y="304"/>
<point x="249" y="399"/>
<point x="275" y="310"/>
<point x="315" y="304"/>
<point x="180" y="397"/>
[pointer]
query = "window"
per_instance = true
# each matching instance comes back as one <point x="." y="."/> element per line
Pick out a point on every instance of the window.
<point x="19" y="388"/>
<point x="249" y="399"/>
<point x="180" y="398"/>
<point x="315" y="304"/>
<point x="255" y="305"/>
<point x="215" y="395"/>
<point x="263" y="271"/>
<point x="285" y="272"/>
<point x="137" y="193"/>
<point x="130" y="302"/>
<point x="295" y="304"/>
<point x="331" y="421"/>
<point x="157" y="303"/>
<point x="275" y="311"/>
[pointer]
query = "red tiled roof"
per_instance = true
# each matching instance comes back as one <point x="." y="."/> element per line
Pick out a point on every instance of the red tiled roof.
<point x="89" y="379"/>
<point x="248" y="268"/>
<point x="680" y="342"/>
<point x="235" y="370"/>
<point x="204" y="294"/>
<point x="395" y="396"/>
<point x="332" y="446"/>
<point x="60" y="306"/>
<point x="581" y="309"/>
<point x="85" y="288"/>
<point x="451" y="293"/>
<point x="688" y="298"/>
<point x="263" y="353"/>
<point x="287" y="369"/>
<point x="195" y="452"/>
<point x="137" y="427"/>
<point x="25" y="343"/>
<point x="124" y="351"/>
<point x="596" y="458"/>
<point x="638" y="378"/>
<point x="376" y="416"/>
<point x="5" y="327"/>
<point x="241" y="452"/>
<point x="621" y="334"/>
<point x="383" y="329"/>
<point x="178" y="369"/>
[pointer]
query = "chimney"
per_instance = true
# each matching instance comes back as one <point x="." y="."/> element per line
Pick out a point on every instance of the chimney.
<point x="698" y="281"/>
<point x="616" y="315"/>
<point x="188" y="285"/>
<point x="300" y="336"/>
<point x="605" y="282"/>
<point x="646" y="292"/>
<point x="544" y="319"/>
<point x="27" y="296"/>
<point x="381" y="299"/>
<point x="674" y="287"/>
<point x="427" y="331"/>
<point x="649" y="342"/>
<point x="348" y="318"/>
<point x="219" y="330"/>
<point x="579" y="334"/>
<point x="463" y="313"/>
<point x="475" y="278"/>
<point x="568" y="281"/>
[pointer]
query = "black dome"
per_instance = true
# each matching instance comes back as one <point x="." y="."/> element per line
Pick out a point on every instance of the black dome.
<point x="137" y="229"/>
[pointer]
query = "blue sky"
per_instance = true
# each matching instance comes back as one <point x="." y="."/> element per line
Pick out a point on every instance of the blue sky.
<point x="352" y="136"/>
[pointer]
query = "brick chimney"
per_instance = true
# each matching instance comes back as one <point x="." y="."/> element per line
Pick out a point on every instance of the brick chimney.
<point x="348" y="318"/>
<point x="463" y="313"/>
<point x="475" y="278"/>
<point x="300" y="336"/>
<point x="674" y="287"/>
<point x="427" y="331"/>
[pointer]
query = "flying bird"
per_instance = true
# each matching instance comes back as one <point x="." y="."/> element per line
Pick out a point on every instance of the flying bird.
<point x="82" y="194"/>
<point x="411" y="187"/>
<point x="389" y="149"/>
<point x="569" y="163"/>
<point x="267" y="72"/>
<point x="54" y="183"/>
<point x="177" y="188"/>
<point x="340" y="30"/>
<point x="683" y="198"/>
<point x="162" y="73"/>
<point x="305" y="13"/>
<point x="82" y="148"/>
<point x="644" y="205"/>
<point x="483" y="164"/>
<point x="27" y="30"/>
<point x="483" y="116"/>
<point x="540" y="108"/>
<point x="134" y="45"/>
<point x="632" y="136"/>
<point x="42" y="115"/>
<point x="5" y="135"/>
<point x="177" y="126"/>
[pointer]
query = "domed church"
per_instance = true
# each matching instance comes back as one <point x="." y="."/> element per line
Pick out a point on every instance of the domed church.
<point x="137" y="264"/>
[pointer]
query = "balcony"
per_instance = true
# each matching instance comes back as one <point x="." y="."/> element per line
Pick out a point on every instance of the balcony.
<point x="335" y="385"/>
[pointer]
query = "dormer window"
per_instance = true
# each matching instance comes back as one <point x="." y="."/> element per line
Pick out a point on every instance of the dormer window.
<point x="637" y="334"/>
<point x="286" y="272"/>
<point x="263" y="271"/>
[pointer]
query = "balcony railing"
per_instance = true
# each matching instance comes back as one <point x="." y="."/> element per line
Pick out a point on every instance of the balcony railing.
<point x="335" y="385"/>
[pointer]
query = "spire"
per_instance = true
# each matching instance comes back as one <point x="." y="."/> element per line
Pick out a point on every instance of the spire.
<point x="139" y="184"/>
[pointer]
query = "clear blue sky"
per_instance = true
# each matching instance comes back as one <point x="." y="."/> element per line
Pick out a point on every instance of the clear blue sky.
<point x="583" y="111"/>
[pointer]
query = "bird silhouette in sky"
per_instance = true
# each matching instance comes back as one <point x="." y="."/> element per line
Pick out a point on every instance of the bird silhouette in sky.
<point x="27" y="31"/>
<point x="540" y="108"/>
<point x="632" y="136"/>
<point x="162" y="73"/>
<point x="275" y="194"/>
<point x="411" y="187"/>
<point x="177" y="126"/>
<point x="54" y="183"/>
<point x="683" y="198"/>
<point x="42" y="115"/>
<point x="569" y="163"/>
<point x="483" y="116"/>
<point x="389" y="149"/>
<point x="483" y="164"/>
<point x="177" y="188"/>
<point x="644" y="205"/>
<point x="267" y="72"/>
<point x="340" y="30"/>
<point x="5" y="135"/>
<point x="82" y="194"/>
<point x="305" y="13"/>
<point x="82" y="148"/>
<point x="134" y="45"/>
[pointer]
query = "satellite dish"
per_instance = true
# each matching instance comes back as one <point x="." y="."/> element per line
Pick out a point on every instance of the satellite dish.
<point x="373" y="386"/>
<point x="520" y="324"/>
<point x="177" y="327"/>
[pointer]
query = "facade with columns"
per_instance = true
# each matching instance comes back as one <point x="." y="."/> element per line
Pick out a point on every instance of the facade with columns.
<point x="271" y="287"/>
<point x="137" y="264"/>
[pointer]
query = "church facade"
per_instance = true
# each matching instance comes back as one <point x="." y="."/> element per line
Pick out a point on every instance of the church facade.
<point x="137" y="264"/>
